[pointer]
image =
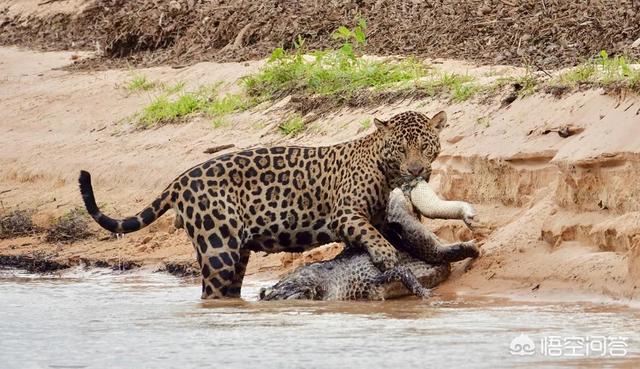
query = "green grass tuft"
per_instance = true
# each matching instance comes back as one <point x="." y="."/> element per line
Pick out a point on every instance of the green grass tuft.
<point x="464" y="92"/>
<point x="459" y="86"/>
<point x="292" y="126"/>
<point x="174" y="89"/>
<point x="166" y="108"/>
<point x="366" y="123"/>
<point x="483" y="121"/>
<point x="228" y="104"/>
<point x="578" y="75"/>
<point x="603" y="70"/>
<point x="218" y="122"/>
<point x="140" y="83"/>
<point x="335" y="73"/>
<point x="527" y="82"/>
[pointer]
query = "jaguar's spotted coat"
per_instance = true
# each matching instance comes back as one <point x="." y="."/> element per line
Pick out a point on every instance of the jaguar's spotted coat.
<point x="289" y="198"/>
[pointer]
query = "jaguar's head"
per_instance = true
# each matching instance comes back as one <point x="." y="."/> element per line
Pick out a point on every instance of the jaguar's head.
<point x="411" y="144"/>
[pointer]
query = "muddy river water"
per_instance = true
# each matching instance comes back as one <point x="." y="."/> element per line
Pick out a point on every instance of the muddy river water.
<point x="104" y="319"/>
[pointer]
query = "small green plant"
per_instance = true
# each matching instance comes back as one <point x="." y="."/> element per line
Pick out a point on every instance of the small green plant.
<point x="614" y="69"/>
<point x="174" y="89"/>
<point x="166" y="108"/>
<point x="451" y="80"/>
<point x="218" y="122"/>
<point x="526" y="83"/>
<point x="140" y="82"/>
<point x="603" y="70"/>
<point x="356" y="35"/>
<point x="228" y="104"/>
<point x="260" y="124"/>
<point x="366" y="123"/>
<point x="459" y="87"/>
<point x="579" y="75"/>
<point x="464" y="92"/>
<point x="335" y="73"/>
<point x="292" y="126"/>
<point x="483" y="121"/>
<point x="634" y="81"/>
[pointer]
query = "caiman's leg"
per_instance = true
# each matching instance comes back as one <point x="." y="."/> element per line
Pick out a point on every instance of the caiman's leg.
<point x="403" y="274"/>
<point x="413" y="237"/>
<point x="430" y="275"/>
<point x="458" y="251"/>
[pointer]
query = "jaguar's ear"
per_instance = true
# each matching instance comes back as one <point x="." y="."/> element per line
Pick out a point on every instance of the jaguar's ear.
<point x="381" y="124"/>
<point x="439" y="121"/>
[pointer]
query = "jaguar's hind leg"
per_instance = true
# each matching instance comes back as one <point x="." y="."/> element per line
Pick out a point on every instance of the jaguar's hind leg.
<point x="218" y="249"/>
<point x="241" y="267"/>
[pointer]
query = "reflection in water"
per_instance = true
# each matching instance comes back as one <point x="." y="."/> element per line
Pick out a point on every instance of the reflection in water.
<point x="99" y="319"/>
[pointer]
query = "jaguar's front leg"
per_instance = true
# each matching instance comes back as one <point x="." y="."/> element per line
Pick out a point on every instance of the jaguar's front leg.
<point x="356" y="229"/>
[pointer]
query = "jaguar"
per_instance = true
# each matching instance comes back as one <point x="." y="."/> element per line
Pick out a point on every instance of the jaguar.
<point x="289" y="198"/>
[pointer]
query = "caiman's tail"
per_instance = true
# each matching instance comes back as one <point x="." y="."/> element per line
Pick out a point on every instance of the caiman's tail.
<point x="145" y="217"/>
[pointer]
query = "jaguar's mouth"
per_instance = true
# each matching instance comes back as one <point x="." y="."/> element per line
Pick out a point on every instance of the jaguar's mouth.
<point x="409" y="179"/>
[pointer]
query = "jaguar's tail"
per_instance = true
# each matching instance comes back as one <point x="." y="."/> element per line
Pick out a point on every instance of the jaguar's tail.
<point x="145" y="217"/>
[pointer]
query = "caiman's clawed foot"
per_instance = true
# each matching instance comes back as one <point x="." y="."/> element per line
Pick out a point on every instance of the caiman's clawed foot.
<point x="404" y="274"/>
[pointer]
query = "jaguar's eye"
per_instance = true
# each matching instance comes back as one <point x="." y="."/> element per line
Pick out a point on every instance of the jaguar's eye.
<point x="402" y="149"/>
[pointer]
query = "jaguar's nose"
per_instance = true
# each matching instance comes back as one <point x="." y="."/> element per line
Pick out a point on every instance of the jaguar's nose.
<point x="415" y="170"/>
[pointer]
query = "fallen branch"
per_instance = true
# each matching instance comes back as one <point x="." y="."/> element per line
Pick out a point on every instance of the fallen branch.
<point x="215" y="149"/>
<point x="49" y="2"/>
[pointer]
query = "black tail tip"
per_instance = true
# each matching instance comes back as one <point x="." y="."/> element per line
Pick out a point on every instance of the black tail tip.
<point x="84" y="176"/>
<point x="87" y="192"/>
<point x="85" y="181"/>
